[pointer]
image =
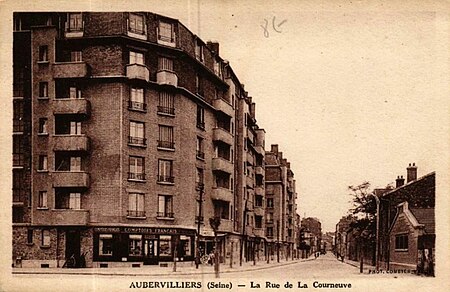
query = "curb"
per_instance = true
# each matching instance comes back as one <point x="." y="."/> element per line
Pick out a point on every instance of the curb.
<point x="253" y="268"/>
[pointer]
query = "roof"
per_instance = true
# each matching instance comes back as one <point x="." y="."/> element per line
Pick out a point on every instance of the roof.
<point x="426" y="217"/>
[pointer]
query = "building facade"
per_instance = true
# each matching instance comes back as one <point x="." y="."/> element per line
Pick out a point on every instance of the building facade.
<point x="129" y="133"/>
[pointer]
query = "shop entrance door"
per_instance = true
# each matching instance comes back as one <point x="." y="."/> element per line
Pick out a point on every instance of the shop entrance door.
<point x="150" y="251"/>
<point x="72" y="249"/>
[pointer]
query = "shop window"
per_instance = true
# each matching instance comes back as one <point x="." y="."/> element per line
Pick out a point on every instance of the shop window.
<point x="165" y="246"/>
<point x="45" y="237"/>
<point x="105" y="244"/>
<point x="135" y="245"/>
<point x="185" y="244"/>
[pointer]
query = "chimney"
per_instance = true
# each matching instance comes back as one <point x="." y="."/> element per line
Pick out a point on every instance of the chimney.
<point x="399" y="181"/>
<point x="253" y="110"/>
<point x="213" y="46"/>
<point x="411" y="172"/>
<point x="274" y="148"/>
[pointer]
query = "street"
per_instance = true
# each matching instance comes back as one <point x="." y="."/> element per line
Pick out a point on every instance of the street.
<point x="311" y="273"/>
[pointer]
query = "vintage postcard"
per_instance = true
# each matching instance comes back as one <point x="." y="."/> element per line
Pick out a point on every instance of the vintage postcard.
<point x="225" y="145"/>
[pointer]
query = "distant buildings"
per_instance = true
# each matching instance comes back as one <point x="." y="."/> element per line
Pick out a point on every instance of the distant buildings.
<point x="129" y="134"/>
<point x="311" y="235"/>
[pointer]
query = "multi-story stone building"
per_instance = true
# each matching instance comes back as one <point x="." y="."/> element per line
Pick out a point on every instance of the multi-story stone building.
<point x="281" y="208"/>
<point x="130" y="132"/>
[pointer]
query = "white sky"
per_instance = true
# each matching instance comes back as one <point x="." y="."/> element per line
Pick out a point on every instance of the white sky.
<point x="349" y="91"/>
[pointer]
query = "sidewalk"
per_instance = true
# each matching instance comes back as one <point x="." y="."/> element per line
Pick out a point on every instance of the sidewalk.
<point x="158" y="271"/>
<point x="356" y="264"/>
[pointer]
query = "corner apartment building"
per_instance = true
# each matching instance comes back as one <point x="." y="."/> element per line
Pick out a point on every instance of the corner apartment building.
<point x="281" y="207"/>
<point x="129" y="130"/>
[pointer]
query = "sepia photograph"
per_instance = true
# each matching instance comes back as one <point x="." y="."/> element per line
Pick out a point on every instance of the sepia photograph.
<point x="225" y="145"/>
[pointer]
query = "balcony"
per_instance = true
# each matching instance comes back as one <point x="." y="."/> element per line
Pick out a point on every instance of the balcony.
<point x="71" y="143"/>
<point x="259" y="170"/>
<point x="249" y="230"/>
<point x="249" y="181"/>
<point x="63" y="179"/>
<point x="220" y="164"/>
<point x="167" y="77"/>
<point x="70" y="70"/>
<point x="69" y="217"/>
<point x="72" y="106"/>
<point x="166" y="145"/>
<point x="259" y="232"/>
<point x="223" y="106"/>
<point x="250" y="136"/>
<point x="259" y="191"/>
<point x="259" y="149"/>
<point x="138" y="71"/>
<point x="250" y="158"/>
<point x="226" y="225"/>
<point x="222" y="194"/>
<point x="220" y="134"/>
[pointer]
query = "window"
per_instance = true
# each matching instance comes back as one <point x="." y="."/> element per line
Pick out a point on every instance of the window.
<point x="166" y="103"/>
<point x="199" y="177"/>
<point x="165" y="245"/>
<point x="136" y="205"/>
<point x="65" y="126"/>
<point x="75" y="201"/>
<point x="165" y="171"/>
<point x="269" y="202"/>
<point x="222" y="209"/>
<point x="18" y="151"/>
<point x="136" y="58"/>
<point x="42" y="165"/>
<point x="200" y="117"/>
<point x="166" y="137"/>
<point x="76" y="56"/>
<point x="43" y="126"/>
<point x="137" y="99"/>
<point x="199" y="51"/>
<point x="45" y="237"/>
<point x="166" y="32"/>
<point x="135" y="245"/>
<point x="65" y="162"/>
<point x="136" y="168"/>
<point x="222" y="150"/>
<point x="74" y="93"/>
<point x="43" y="54"/>
<point x="222" y="180"/>
<point x="75" y="163"/>
<point x="185" y="243"/>
<point x="42" y="199"/>
<point x="258" y="221"/>
<point x="18" y="186"/>
<point x="137" y="134"/>
<point x="29" y="236"/>
<point x="199" y="85"/>
<point x="43" y="89"/>
<point x="258" y="201"/>
<point x="75" y="22"/>
<point x="18" y="123"/>
<point x="269" y="218"/>
<point x="165" y="64"/>
<point x="199" y="148"/>
<point x="217" y="69"/>
<point x="269" y="231"/>
<point x="105" y="244"/>
<point x="401" y="242"/>
<point x="136" y="24"/>
<point x="165" y="206"/>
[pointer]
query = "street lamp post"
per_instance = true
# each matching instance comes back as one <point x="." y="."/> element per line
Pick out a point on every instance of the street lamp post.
<point x="199" y="222"/>
<point x="377" y="247"/>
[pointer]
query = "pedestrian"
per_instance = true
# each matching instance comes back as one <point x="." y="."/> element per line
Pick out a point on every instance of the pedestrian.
<point x="211" y="257"/>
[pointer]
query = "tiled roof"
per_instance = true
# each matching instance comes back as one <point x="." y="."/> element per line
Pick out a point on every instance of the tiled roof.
<point x="426" y="217"/>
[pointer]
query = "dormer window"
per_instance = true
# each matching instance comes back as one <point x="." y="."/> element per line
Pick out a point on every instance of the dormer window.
<point x="166" y="33"/>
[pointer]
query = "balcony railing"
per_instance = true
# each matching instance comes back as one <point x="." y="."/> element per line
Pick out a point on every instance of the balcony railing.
<point x="166" y="179"/>
<point x="223" y="106"/>
<point x="137" y="141"/>
<point x="70" y="70"/>
<point x="220" y="134"/>
<point x="167" y="77"/>
<point x="166" y="110"/>
<point x="200" y="154"/>
<point x="136" y="213"/>
<point x="70" y="179"/>
<point x="137" y="106"/>
<point x="136" y="176"/>
<point x="164" y="214"/>
<point x="71" y="106"/>
<point x="166" y="144"/>
<point x="71" y="143"/>
<point x="221" y="164"/>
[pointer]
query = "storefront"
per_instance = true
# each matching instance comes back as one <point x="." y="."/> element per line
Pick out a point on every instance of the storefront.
<point x="149" y="245"/>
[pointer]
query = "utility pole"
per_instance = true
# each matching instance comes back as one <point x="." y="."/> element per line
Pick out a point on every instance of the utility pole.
<point x="215" y="223"/>
<point x="175" y="253"/>
<point x="201" y="188"/>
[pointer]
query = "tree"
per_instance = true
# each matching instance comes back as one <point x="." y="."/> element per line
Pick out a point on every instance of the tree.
<point x="364" y="209"/>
